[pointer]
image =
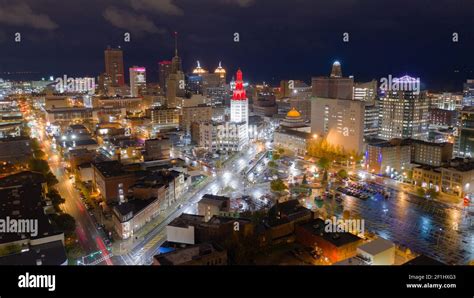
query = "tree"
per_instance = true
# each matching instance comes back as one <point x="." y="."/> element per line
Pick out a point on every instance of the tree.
<point x="432" y="193"/>
<point x="39" y="165"/>
<point x="342" y="174"/>
<point x="281" y="150"/>
<point x="64" y="222"/>
<point x="324" y="163"/>
<point x="35" y="145"/>
<point x="420" y="191"/>
<point x="39" y="154"/>
<point x="272" y="164"/>
<point x="51" y="179"/>
<point x="278" y="185"/>
<point x="276" y="156"/>
<point x="55" y="197"/>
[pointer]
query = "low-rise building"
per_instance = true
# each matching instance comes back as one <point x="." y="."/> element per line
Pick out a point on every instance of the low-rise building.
<point x="200" y="113"/>
<point x="335" y="246"/>
<point x="68" y="115"/>
<point x="458" y="177"/>
<point x="157" y="149"/>
<point x="427" y="177"/>
<point x="292" y="140"/>
<point x="388" y="157"/>
<point x="111" y="180"/>
<point x="15" y="150"/>
<point x="377" y="252"/>
<point x="22" y="198"/>
<point x="149" y="197"/>
<point x="211" y="205"/>
<point x="200" y="254"/>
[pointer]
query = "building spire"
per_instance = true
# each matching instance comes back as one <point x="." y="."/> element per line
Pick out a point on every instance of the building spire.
<point x="176" y="43"/>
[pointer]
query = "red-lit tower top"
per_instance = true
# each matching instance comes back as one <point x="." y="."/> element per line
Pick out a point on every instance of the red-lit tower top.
<point x="239" y="91"/>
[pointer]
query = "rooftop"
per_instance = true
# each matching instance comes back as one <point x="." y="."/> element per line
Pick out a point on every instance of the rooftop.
<point x="376" y="246"/>
<point x="24" y="202"/>
<point x="185" y="220"/>
<point x="188" y="254"/>
<point x="423" y="260"/>
<point x="50" y="254"/>
<point x="296" y="133"/>
<point x="219" y="201"/>
<point x="111" y="168"/>
<point x="317" y="228"/>
<point x="133" y="206"/>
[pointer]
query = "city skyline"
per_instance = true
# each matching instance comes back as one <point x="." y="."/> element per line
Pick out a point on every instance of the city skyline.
<point x="385" y="43"/>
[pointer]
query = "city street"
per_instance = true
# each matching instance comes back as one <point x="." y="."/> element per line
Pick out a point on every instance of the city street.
<point x="86" y="229"/>
<point x="229" y="175"/>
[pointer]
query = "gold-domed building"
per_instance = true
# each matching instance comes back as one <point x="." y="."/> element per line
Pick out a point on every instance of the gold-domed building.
<point x="293" y="119"/>
<point x="221" y="72"/>
<point x="199" y="70"/>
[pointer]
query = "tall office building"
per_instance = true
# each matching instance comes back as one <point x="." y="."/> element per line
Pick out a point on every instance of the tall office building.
<point x="366" y="91"/>
<point x="464" y="142"/>
<point x="404" y="114"/>
<point x="164" y="70"/>
<point x="137" y="80"/>
<point x="340" y="121"/>
<point x="222" y="73"/>
<point x="239" y="105"/>
<point x="114" y="66"/>
<point x="334" y="86"/>
<point x="175" y="84"/>
<point x="468" y="99"/>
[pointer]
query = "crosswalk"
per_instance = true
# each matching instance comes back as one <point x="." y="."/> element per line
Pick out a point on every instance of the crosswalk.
<point x="150" y="244"/>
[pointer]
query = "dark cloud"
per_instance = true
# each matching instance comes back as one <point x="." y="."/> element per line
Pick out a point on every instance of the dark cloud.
<point x="167" y="7"/>
<point x="135" y="23"/>
<point x="21" y="14"/>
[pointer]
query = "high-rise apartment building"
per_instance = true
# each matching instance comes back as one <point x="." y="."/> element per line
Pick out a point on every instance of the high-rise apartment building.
<point x="137" y="80"/>
<point x="164" y="70"/>
<point x="468" y="93"/>
<point x="114" y="66"/>
<point x="404" y="114"/>
<point x="464" y="142"/>
<point x="341" y="122"/>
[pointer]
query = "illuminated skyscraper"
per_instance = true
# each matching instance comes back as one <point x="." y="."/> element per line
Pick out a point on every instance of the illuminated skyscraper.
<point x="334" y="86"/>
<point x="221" y="72"/>
<point x="114" y="66"/>
<point x="164" y="70"/>
<point x="137" y="80"/>
<point x="404" y="114"/>
<point x="175" y="84"/>
<point x="199" y="70"/>
<point x="239" y="104"/>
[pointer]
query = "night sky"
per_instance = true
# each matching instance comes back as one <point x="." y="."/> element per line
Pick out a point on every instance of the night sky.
<point x="279" y="39"/>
